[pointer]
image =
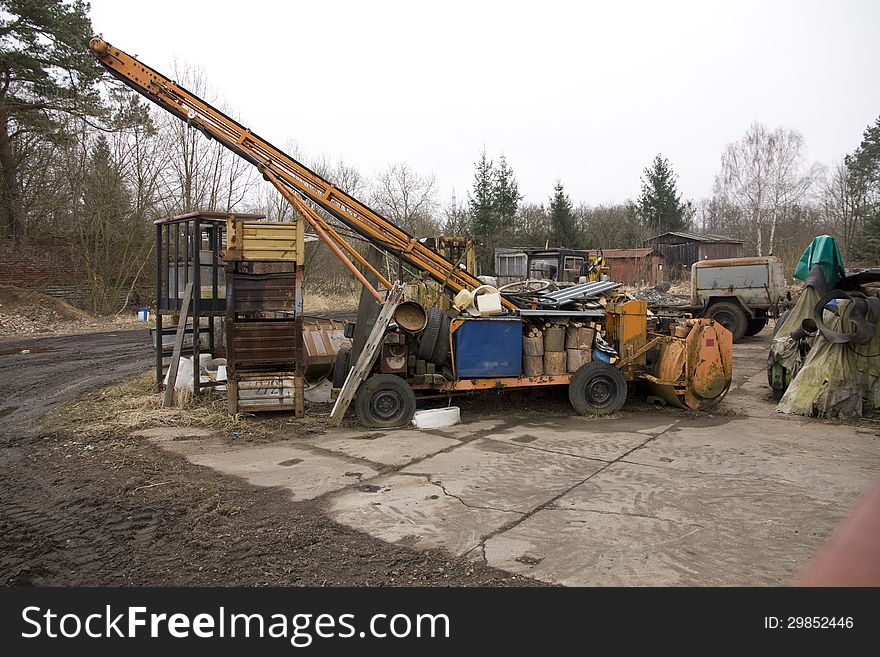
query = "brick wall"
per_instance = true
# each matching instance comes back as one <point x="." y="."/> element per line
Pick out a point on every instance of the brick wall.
<point x="45" y="267"/>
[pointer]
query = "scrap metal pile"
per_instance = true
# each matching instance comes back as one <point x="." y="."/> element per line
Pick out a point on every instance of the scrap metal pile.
<point x="584" y="296"/>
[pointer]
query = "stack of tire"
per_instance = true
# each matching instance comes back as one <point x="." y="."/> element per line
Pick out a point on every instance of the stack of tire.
<point x="434" y="343"/>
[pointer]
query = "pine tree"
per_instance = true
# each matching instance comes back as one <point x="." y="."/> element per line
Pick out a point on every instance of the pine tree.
<point x="864" y="167"/>
<point x="507" y="196"/>
<point x="484" y="213"/>
<point x="46" y="70"/>
<point x="659" y="204"/>
<point x="564" y="230"/>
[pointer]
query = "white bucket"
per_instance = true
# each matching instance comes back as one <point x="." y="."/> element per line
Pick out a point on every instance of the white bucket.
<point x="437" y="418"/>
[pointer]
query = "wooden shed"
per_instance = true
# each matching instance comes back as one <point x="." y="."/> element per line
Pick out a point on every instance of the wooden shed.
<point x="630" y="266"/>
<point x="682" y="250"/>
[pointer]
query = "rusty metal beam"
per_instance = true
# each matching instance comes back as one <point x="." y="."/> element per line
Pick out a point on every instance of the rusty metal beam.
<point x="308" y="214"/>
<point x="294" y="175"/>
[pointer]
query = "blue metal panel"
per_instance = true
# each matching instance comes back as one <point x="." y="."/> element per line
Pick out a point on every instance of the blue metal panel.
<point x="488" y="347"/>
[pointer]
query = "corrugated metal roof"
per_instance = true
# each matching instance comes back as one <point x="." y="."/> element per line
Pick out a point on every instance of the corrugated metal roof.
<point x="626" y="253"/>
<point x="576" y="292"/>
<point x="210" y="216"/>
<point x="703" y="237"/>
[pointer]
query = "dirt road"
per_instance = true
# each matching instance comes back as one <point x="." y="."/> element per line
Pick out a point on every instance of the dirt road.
<point x="36" y="374"/>
<point x="109" y="509"/>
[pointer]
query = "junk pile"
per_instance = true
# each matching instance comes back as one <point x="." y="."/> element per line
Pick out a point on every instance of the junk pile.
<point x="825" y="356"/>
<point x="660" y="294"/>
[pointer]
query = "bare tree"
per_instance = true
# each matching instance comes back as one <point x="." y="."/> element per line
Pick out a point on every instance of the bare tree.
<point x="200" y="174"/>
<point x="406" y="198"/>
<point x="613" y="226"/>
<point x="456" y="218"/>
<point x="842" y="196"/>
<point x="763" y="175"/>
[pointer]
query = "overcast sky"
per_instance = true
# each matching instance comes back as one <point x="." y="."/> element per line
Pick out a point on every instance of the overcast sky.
<point x="587" y="92"/>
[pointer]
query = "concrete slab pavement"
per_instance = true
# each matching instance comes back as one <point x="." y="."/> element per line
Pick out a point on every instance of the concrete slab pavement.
<point x="738" y="496"/>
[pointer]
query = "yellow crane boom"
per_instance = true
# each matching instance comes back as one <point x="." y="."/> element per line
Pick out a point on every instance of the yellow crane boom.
<point x="286" y="173"/>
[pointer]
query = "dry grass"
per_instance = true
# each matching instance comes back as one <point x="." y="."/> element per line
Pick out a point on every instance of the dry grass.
<point x="135" y="405"/>
<point x="330" y="302"/>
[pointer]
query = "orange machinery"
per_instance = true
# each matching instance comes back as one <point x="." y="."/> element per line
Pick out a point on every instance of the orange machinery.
<point x="688" y="365"/>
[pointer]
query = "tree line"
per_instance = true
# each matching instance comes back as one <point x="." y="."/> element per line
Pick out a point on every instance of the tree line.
<point x="89" y="164"/>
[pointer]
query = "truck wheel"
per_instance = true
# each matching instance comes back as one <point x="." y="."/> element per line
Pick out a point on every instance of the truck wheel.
<point x="597" y="388"/>
<point x="430" y="334"/>
<point x="341" y="366"/>
<point x="731" y="317"/>
<point x="756" y="325"/>
<point x="385" y="401"/>
<point x="441" y="346"/>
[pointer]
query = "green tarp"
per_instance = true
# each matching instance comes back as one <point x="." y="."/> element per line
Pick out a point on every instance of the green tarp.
<point x="822" y="251"/>
<point x="828" y="383"/>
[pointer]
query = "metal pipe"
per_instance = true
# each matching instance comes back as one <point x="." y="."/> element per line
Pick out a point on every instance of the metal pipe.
<point x="354" y="253"/>
<point x="304" y="210"/>
<point x="314" y="219"/>
<point x="348" y="263"/>
<point x="158" y="333"/>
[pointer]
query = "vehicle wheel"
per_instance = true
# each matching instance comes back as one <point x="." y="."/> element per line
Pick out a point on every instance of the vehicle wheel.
<point x="756" y="325"/>
<point x="429" y="335"/>
<point x="731" y="316"/>
<point x="597" y="388"/>
<point x="341" y="366"/>
<point x="441" y="347"/>
<point x="385" y="401"/>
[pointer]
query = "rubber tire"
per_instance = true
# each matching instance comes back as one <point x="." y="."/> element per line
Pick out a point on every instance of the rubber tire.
<point x="733" y="314"/>
<point x="441" y="347"/>
<point x="756" y="325"/>
<point x="393" y="389"/>
<point x="590" y="374"/>
<point x="341" y="366"/>
<point x="429" y="335"/>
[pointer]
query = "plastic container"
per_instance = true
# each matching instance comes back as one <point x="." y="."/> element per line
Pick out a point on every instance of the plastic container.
<point x="437" y="418"/>
<point x="489" y="303"/>
<point x="463" y="299"/>
<point x="205" y="361"/>
<point x="474" y="308"/>
<point x="143" y="314"/>
<point x="488" y="347"/>
<point x="604" y="356"/>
